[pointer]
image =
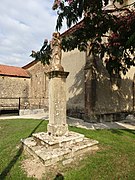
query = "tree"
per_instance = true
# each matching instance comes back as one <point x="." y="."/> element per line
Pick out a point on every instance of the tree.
<point x="117" y="26"/>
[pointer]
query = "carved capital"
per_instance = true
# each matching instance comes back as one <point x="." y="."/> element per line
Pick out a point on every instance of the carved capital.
<point x="58" y="74"/>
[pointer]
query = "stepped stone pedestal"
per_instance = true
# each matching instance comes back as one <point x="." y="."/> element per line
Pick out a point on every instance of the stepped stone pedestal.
<point x="58" y="144"/>
<point x="64" y="149"/>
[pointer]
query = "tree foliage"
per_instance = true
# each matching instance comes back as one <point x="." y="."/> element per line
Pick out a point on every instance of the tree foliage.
<point x="111" y="32"/>
<point x="44" y="54"/>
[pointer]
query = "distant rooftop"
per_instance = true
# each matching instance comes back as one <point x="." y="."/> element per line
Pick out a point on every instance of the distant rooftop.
<point x="13" y="71"/>
<point x="30" y="64"/>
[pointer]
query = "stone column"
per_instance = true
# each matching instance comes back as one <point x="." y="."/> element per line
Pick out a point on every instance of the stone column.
<point x="57" y="103"/>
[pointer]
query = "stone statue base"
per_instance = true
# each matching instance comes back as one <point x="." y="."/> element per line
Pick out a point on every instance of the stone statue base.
<point x="64" y="149"/>
<point x="57" y="130"/>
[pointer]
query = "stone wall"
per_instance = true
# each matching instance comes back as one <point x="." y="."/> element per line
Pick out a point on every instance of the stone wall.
<point x="38" y="96"/>
<point x="25" y="93"/>
<point x="113" y="95"/>
<point x="73" y="62"/>
<point x="92" y="92"/>
<point x="11" y="89"/>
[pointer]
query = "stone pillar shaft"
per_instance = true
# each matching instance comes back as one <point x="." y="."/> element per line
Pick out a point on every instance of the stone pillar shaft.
<point x="57" y="103"/>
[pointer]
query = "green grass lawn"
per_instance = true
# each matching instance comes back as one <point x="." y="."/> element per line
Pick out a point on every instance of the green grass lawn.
<point x="114" y="160"/>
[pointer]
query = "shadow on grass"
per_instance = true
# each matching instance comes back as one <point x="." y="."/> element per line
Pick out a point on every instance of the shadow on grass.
<point x="120" y="131"/>
<point x="130" y="131"/>
<point x="6" y="171"/>
<point x="116" y="131"/>
<point x="36" y="128"/>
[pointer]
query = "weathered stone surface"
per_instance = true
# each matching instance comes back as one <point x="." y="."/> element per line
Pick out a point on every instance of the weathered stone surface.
<point x="130" y="117"/>
<point x="52" y="149"/>
<point x="69" y="138"/>
<point x="33" y="91"/>
<point x="57" y="103"/>
<point x="100" y="97"/>
<point x="31" y="111"/>
<point x="11" y="88"/>
<point x="68" y="161"/>
<point x="57" y="130"/>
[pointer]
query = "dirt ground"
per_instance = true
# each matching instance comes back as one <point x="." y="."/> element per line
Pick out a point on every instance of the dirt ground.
<point x="33" y="167"/>
<point x="36" y="169"/>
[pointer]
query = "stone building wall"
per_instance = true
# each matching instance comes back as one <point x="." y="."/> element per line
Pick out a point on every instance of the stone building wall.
<point x="30" y="95"/>
<point x="38" y="95"/>
<point x="73" y="62"/>
<point x="92" y="94"/>
<point x="112" y="95"/>
<point x="11" y="89"/>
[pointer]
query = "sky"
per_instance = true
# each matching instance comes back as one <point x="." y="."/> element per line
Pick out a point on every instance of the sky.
<point x="24" y="24"/>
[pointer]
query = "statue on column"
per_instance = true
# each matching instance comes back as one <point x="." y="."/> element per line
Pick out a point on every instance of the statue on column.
<point x="56" y="52"/>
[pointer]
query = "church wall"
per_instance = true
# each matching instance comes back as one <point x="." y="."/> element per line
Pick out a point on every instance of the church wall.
<point x="96" y="95"/>
<point x="107" y="98"/>
<point x="74" y="62"/>
<point x="114" y="95"/>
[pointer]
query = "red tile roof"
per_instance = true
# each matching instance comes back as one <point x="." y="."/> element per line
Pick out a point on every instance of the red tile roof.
<point x="30" y="64"/>
<point x="13" y="71"/>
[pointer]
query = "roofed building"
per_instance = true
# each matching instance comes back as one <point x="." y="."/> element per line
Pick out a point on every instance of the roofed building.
<point x="91" y="93"/>
<point x="24" y="88"/>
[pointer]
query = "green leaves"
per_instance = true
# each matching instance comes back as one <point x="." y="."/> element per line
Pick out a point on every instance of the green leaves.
<point x="67" y="12"/>
<point x="97" y="24"/>
<point x="59" y="21"/>
<point x="118" y="29"/>
<point x="44" y="54"/>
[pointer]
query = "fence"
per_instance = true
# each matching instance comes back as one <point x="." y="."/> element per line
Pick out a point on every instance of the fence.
<point x="17" y="103"/>
<point x="9" y="103"/>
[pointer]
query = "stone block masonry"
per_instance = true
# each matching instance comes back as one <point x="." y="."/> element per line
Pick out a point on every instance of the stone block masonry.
<point x="65" y="149"/>
<point x="57" y="103"/>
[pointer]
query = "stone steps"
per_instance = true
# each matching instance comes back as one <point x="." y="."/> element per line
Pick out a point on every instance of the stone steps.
<point x="50" y="149"/>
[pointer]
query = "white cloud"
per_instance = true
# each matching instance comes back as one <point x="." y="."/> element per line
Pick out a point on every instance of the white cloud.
<point x="23" y="27"/>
